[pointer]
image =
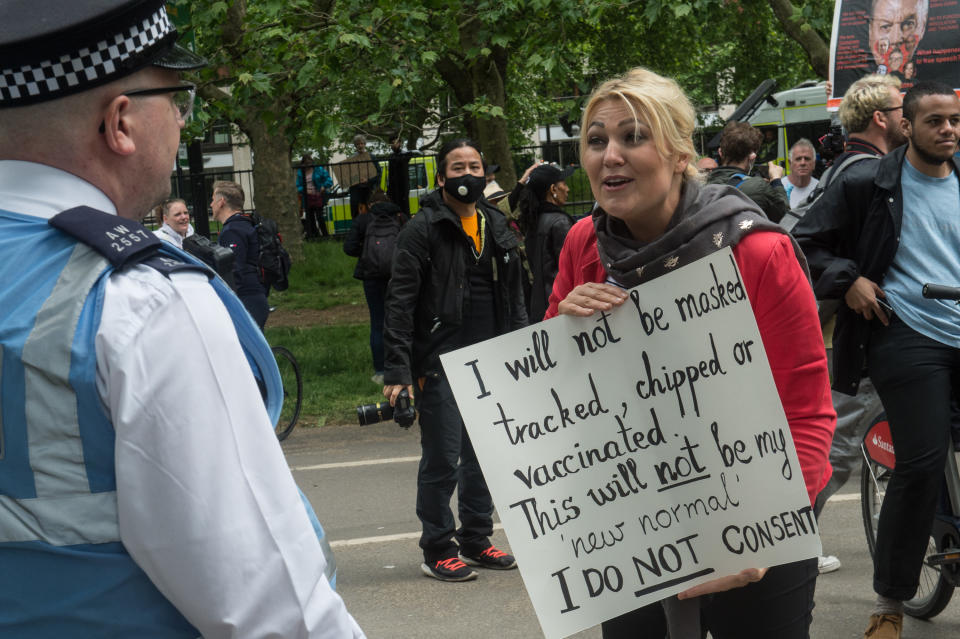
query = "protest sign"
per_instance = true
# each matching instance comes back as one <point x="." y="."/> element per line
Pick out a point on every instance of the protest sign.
<point x="911" y="39"/>
<point x="637" y="452"/>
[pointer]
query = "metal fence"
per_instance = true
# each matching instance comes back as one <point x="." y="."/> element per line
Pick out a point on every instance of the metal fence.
<point x="194" y="191"/>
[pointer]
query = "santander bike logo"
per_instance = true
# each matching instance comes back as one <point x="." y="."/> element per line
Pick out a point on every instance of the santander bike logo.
<point x="879" y="444"/>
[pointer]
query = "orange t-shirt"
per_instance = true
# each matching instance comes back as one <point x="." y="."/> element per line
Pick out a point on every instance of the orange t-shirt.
<point x="472" y="229"/>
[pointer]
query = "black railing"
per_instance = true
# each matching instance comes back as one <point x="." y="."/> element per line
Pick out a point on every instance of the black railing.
<point x="580" y="200"/>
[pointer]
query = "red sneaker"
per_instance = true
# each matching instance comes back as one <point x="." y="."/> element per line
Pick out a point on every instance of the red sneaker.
<point x="491" y="557"/>
<point x="450" y="569"/>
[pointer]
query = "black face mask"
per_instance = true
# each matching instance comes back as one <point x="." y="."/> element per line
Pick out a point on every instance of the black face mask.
<point x="466" y="188"/>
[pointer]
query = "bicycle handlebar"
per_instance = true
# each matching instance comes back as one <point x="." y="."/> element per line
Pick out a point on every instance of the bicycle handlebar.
<point x="941" y="292"/>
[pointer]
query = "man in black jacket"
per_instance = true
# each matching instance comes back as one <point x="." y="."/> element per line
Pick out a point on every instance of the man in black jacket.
<point x="456" y="281"/>
<point x="870" y="113"/>
<point x="240" y="236"/>
<point x="896" y="223"/>
<point x="739" y="144"/>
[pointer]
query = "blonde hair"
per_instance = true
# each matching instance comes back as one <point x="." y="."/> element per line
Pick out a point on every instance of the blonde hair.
<point x="662" y="103"/>
<point x="868" y="94"/>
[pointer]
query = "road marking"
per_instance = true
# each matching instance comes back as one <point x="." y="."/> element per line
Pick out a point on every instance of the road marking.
<point x="382" y="539"/>
<point x="353" y="464"/>
<point x="845" y="497"/>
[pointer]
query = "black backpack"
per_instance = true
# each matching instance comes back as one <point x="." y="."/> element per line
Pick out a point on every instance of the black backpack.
<point x="274" y="262"/>
<point x="379" y="243"/>
<point x="793" y="215"/>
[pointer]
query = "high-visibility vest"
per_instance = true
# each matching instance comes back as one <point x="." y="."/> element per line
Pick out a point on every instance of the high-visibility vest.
<point x="63" y="570"/>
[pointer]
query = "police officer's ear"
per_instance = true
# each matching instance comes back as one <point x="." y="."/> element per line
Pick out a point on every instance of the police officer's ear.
<point x="115" y="127"/>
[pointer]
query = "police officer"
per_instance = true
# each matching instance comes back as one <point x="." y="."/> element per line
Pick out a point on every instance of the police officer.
<point x="136" y="500"/>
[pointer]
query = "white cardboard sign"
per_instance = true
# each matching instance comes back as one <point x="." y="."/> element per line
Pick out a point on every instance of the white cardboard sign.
<point x="636" y="453"/>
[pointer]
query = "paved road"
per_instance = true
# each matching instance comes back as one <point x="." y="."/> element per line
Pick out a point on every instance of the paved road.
<point x="362" y="484"/>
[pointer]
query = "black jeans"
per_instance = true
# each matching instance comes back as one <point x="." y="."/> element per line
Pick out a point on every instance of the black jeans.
<point x="914" y="376"/>
<point x="448" y="462"/>
<point x="779" y="605"/>
<point x="376" y="292"/>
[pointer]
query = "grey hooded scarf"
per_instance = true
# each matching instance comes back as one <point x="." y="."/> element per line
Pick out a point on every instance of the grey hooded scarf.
<point x="707" y="219"/>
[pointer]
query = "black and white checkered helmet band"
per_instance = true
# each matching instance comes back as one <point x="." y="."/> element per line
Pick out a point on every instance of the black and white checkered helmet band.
<point x="88" y="66"/>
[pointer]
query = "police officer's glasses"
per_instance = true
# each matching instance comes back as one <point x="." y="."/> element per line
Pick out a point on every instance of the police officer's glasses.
<point x="183" y="96"/>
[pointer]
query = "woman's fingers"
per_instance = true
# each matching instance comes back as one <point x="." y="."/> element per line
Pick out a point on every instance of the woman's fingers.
<point x="584" y="299"/>
<point x="723" y="584"/>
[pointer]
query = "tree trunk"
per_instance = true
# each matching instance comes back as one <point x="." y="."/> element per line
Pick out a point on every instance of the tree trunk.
<point x="274" y="185"/>
<point x="485" y="76"/>
<point x="818" y="51"/>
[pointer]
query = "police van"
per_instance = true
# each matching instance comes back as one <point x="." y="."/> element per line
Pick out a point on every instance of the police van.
<point x="422" y="175"/>
<point x="785" y="117"/>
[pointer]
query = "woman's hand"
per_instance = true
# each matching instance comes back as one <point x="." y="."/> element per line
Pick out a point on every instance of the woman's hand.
<point x="393" y="390"/>
<point x="739" y="580"/>
<point x="526" y="174"/>
<point x="587" y="298"/>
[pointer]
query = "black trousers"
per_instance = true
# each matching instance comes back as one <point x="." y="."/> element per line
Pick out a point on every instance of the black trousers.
<point x="376" y="292"/>
<point x="258" y="307"/>
<point x="448" y="462"/>
<point x="914" y="376"/>
<point x="780" y="605"/>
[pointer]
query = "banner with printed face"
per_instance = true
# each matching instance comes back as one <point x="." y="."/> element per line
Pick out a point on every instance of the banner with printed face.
<point x="911" y="39"/>
<point x="636" y="453"/>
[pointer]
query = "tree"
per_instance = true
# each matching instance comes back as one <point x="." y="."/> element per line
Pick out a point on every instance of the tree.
<point x="267" y="77"/>
<point x="475" y="67"/>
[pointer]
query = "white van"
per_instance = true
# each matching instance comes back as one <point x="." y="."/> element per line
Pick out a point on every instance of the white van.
<point x="787" y="116"/>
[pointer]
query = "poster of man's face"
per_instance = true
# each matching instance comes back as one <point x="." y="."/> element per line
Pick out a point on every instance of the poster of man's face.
<point x="896" y="27"/>
<point x="914" y="40"/>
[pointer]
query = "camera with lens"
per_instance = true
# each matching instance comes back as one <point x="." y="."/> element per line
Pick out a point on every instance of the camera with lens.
<point x="402" y="411"/>
<point x="831" y="144"/>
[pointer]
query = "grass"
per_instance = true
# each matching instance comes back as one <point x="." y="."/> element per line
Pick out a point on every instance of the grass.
<point x="336" y="367"/>
<point x="335" y="361"/>
<point x="323" y="279"/>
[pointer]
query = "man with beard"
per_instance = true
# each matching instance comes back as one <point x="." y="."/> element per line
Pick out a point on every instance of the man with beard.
<point x="871" y="112"/>
<point x="883" y="230"/>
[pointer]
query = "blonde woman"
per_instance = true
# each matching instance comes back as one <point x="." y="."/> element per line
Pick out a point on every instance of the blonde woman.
<point x="637" y="150"/>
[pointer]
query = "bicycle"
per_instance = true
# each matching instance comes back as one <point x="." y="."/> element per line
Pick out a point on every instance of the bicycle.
<point x="941" y="566"/>
<point x="292" y="391"/>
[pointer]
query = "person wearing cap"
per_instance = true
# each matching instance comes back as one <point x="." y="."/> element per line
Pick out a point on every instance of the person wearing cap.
<point x="490" y="172"/>
<point x="544" y="225"/>
<point x="142" y="490"/>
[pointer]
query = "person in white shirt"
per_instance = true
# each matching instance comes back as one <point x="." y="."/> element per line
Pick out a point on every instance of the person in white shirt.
<point x="143" y="492"/>
<point x="800" y="183"/>
<point x="176" y="222"/>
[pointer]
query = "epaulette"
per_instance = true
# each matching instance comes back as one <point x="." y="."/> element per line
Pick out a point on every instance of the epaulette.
<point x="120" y="240"/>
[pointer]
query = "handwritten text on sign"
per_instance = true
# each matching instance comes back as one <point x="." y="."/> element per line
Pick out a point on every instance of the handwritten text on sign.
<point x="635" y="453"/>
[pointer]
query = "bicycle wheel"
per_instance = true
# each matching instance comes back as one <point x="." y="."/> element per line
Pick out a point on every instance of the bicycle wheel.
<point x="934" y="591"/>
<point x="292" y="391"/>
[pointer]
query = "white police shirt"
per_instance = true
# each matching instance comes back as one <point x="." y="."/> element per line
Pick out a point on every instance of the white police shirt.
<point x="207" y="505"/>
